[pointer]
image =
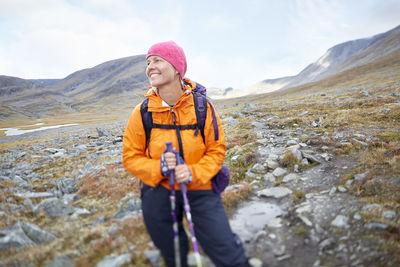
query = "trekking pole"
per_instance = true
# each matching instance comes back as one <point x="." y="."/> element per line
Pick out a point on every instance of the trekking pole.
<point x="173" y="212"/>
<point x="189" y="217"/>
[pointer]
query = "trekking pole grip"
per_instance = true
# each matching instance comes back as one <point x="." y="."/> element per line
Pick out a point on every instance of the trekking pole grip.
<point x="169" y="146"/>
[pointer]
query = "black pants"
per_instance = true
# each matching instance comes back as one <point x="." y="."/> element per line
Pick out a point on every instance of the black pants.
<point x="210" y="224"/>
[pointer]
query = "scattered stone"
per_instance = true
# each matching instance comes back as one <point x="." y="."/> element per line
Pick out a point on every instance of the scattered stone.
<point x="258" y="169"/>
<point x="102" y="132"/>
<point x="389" y="214"/>
<point x="303" y="113"/>
<point x="279" y="250"/>
<point x="370" y="207"/>
<point x="357" y="216"/>
<point x="290" y="177"/>
<point x="311" y="158"/>
<point x="279" y="172"/>
<point x="272" y="164"/>
<point x="14" y="236"/>
<point x="332" y="191"/>
<point x="36" y="234"/>
<point x="28" y="195"/>
<point x="360" y="176"/>
<point x="360" y="142"/>
<point x="275" y="223"/>
<point x="130" y="207"/>
<point x="61" y="261"/>
<point x="376" y="226"/>
<point x="275" y="192"/>
<point x="153" y="256"/>
<point x="305" y="220"/>
<point x="340" y="221"/>
<point x="255" y="262"/>
<point x="114" y="228"/>
<point x="269" y="178"/>
<point x="115" y="261"/>
<point x="291" y="142"/>
<point x="53" y="207"/>
<point x="342" y="189"/>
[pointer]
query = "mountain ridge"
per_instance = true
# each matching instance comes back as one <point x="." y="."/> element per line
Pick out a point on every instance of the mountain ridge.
<point x="116" y="86"/>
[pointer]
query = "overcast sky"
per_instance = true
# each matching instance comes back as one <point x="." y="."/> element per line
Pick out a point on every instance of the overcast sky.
<point x="227" y="43"/>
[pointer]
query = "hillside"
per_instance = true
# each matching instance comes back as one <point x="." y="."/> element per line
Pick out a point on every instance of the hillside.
<point x="337" y="59"/>
<point x="111" y="87"/>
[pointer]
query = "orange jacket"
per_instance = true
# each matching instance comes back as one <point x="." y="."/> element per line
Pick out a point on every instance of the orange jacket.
<point x="203" y="158"/>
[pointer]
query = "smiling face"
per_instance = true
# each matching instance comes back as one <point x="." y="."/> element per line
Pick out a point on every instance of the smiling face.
<point x="160" y="72"/>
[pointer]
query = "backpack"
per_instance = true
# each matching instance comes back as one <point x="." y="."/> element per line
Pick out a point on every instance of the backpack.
<point x="221" y="180"/>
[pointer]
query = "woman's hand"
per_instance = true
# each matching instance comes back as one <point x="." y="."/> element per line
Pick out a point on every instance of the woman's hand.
<point x="170" y="158"/>
<point x="182" y="174"/>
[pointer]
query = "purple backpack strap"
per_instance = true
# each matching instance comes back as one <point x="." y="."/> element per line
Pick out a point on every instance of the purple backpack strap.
<point x="200" y="103"/>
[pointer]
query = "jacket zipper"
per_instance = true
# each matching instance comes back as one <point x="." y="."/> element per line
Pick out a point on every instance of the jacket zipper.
<point x="178" y="133"/>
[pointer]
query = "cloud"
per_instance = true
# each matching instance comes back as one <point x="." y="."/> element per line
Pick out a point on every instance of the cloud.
<point x="51" y="39"/>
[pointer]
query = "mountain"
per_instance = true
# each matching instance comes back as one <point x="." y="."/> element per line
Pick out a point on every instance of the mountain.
<point x="337" y="59"/>
<point x="108" y="87"/>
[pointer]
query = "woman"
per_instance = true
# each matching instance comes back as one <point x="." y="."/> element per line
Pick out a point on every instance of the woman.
<point x="170" y="102"/>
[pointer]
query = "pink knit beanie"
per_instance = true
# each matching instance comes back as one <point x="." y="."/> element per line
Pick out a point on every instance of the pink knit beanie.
<point x="172" y="53"/>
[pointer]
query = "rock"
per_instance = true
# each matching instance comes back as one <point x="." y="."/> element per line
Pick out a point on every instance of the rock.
<point x="389" y="214"/>
<point x="365" y="93"/>
<point x="258" y="169"/>
<point x="370" y="207"/>
<point x="115" y="261"/>
<point x="332" y="191"/>
<point x="279" y="172"/>
<point x="272" y="156"/>
<point x="36" y="234"/>
<point x="53" y="207"/>
<point x="342" y="189"/>
<point x="279" y="250"/>
<point x="305" y="220"/>
<point x="360" y="176"/>
<point x="230" y="121"/>
<point x="66" y="185"/>
<point x="29" y="195"/>
<point x="304" y="162"/>
<point x="114" y="228"/>
<point x="326" y="156"/>
<point x="326" y="244"/>
<point x="78" y="212"/>
<point x="311" y="158"/>
<point x="14" y="236"/>
<point x="303" y="113"/>
<point x="102" y="132"/>
<point x="235" y="158"/>
<point x="273" y="118"/>
<point x="61" y="261"/>
<point x="340" y="221"/>
<point x="295" y="151"/>
<point x="291" y="142"/>
<point x="272" y="164"/>
<point x="360" y="142"/>
<point x="290" y="177"/>
<point x="275" y="223"/>
<point x="255" y="262"/>
<point x="131" y="206"/>
<point x="376" y="226"/>
<point x="250" y="175"/>
<point x="154" y="257"/>
<point x="275" y="192"/>
<point x="269" y="178"/>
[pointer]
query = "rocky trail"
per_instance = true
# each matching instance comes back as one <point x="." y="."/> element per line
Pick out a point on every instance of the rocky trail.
<point x="299" y="214"/>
